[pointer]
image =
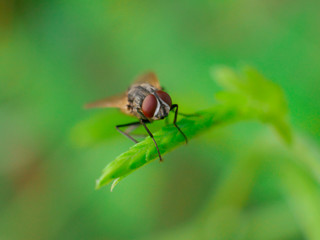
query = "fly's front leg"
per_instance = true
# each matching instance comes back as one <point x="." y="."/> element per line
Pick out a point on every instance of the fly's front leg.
<point x="151" y="135"/>
<point x="175" y="106"/>
<point x="132" y="125"/>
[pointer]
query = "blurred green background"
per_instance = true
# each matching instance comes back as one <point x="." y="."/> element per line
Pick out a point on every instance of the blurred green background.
<point x="235" y="182"/>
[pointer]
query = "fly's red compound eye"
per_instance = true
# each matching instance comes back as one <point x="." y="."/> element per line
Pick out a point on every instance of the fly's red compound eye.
<point x="149" y="105"/>
<point x="165" y="97"/>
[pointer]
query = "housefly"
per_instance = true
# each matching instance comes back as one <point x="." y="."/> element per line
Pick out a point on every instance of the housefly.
<point x="145" y="100"/>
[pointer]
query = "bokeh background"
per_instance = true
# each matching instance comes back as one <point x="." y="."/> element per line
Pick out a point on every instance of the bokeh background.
<point x="234" y="182"/>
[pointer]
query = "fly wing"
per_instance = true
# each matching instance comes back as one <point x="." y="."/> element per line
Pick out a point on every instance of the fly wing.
<point x="150" y="78"/>
<point x="119" y="101"/>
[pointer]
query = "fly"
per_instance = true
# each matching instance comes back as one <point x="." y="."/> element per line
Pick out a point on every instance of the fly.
<point x="144" y="100"/>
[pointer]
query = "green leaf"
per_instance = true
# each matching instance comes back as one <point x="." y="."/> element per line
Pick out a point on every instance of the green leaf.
<point x="251" y="91"/>
<point x="247" y="95"/>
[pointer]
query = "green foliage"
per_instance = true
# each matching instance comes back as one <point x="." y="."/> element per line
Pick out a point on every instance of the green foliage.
<point x="246" y="95"/>
<point x="238" y="182"/>
<point x="256" y="96"/>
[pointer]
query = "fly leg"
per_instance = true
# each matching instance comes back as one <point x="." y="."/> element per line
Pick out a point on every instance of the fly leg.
<point x="135" y="135"/>
<point x="175" y="106"/>
<point x="151" y="135"/>
<point x="131" y="127"/>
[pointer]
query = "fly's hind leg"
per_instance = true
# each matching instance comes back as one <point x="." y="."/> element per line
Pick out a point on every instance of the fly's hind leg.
<point x="131" y="127"/>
